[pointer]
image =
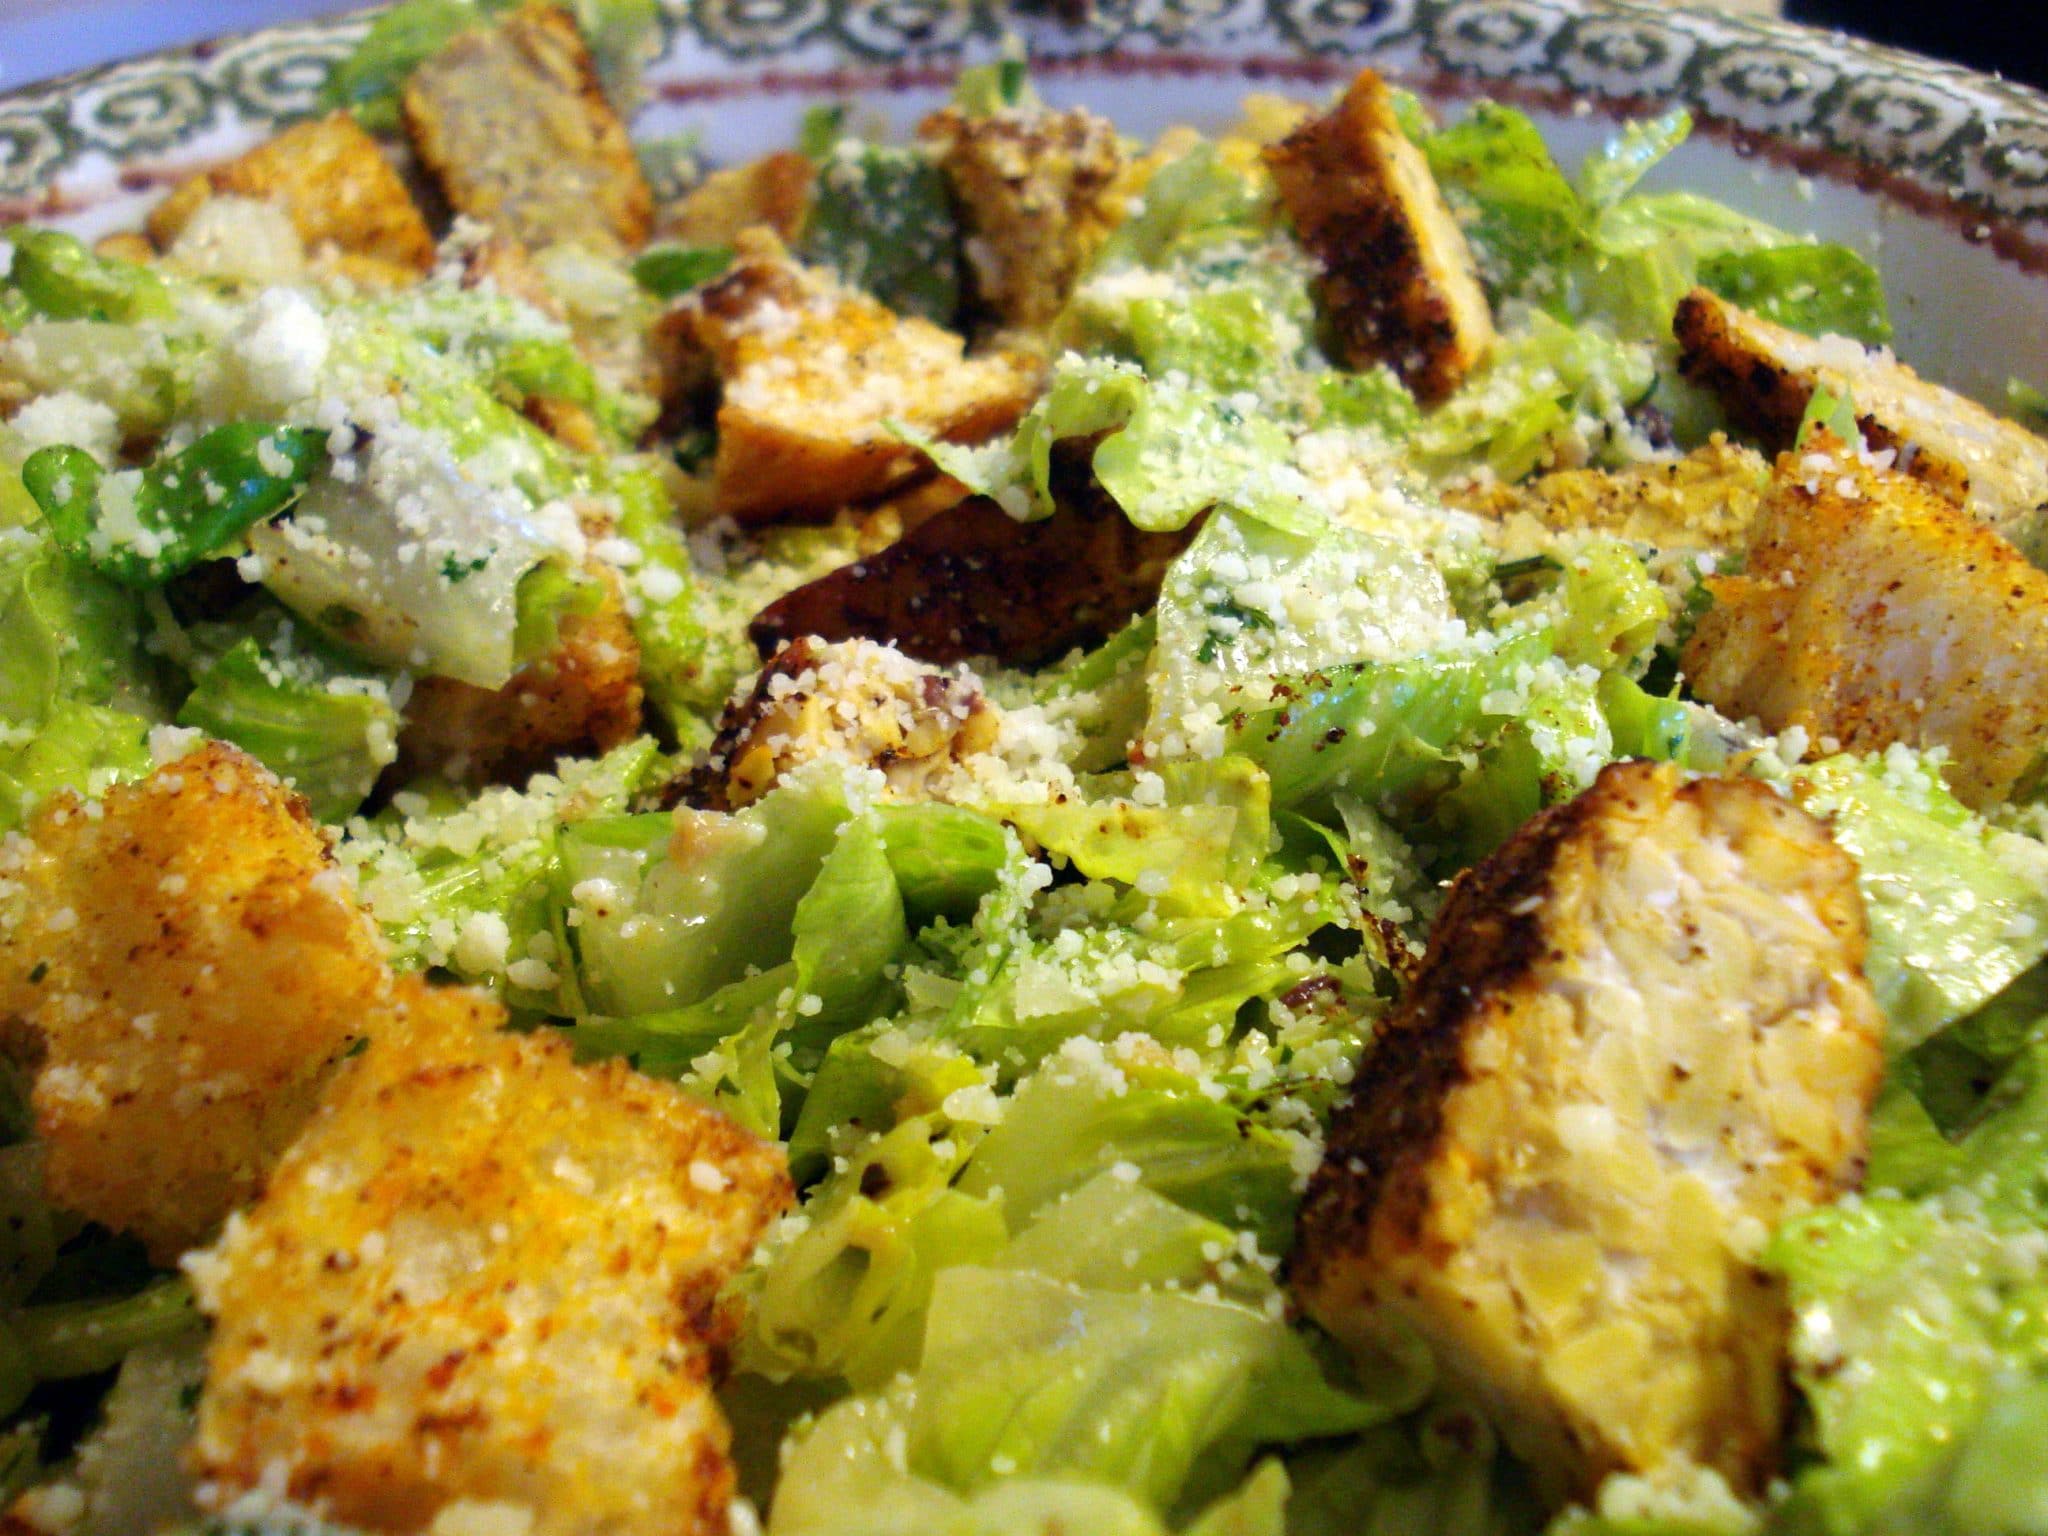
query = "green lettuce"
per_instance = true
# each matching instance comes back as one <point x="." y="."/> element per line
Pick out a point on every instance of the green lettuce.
<point x="327" y="735"/>
<point x="471" y="883"/>
<point x="1384" y="733"/>
<point x="76" y="746"/>
<point x="1069" y="1123"/>
<point x="1957" y="909"/>
<point x="882" y="219"/>
<point x="1921" y="1321"/>
<point x="1819" y="289"/>
<point x="1603" y="248"/>
<point x="1248" y="603"/>
<point x="67" y="635"/>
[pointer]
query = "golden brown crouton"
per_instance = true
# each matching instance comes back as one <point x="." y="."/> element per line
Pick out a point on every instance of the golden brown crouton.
<point x="582" y="697"/>
<point x="850" y="701"/>
<point x="1399" y="285"/>
<point x="1036" y="189"/>
<point x="484" y="1275"/>
<point x="511" y="122"/>
<point x="334" y="182"/>
<point x="1873" y="611"/>
<point x="125" y="246"/>
<point x="1705" y="500"/>
<point x="496" y="261"/>
<point x="973" y="581"/>
<point x="812" y="372"/>
<point x="771" y="193"/>
<point x="1640" y="1039"/>
<point x="1765" y="375"/>
<point x="191" y="964"/>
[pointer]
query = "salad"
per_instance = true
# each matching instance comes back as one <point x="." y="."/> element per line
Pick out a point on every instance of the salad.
<point x="1316" y="829"/>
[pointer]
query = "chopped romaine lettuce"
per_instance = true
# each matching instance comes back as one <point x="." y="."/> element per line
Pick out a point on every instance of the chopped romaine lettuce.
<point x="1957" y="909"/>
<point x="1247" y="604"/>
<point x="883" y="220"/>
<point x="1819" y="289"/>
<point x="76" y="746"/>
<point x="326" y="734"/>
<point x="1919" y="1323"/>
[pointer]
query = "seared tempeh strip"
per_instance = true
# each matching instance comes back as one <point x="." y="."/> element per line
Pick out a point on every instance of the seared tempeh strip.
<point x="1639" y="1040"/>
<point x="511" y="122"/>
<point x="1399" y="285"/>
<point x="1765" y="376"/>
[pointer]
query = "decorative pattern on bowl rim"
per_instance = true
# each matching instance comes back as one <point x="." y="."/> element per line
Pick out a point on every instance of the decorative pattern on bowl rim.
<point x="1937" y="127"/>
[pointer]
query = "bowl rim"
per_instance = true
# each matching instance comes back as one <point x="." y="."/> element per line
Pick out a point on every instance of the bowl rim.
<point x="1948" y="143"/>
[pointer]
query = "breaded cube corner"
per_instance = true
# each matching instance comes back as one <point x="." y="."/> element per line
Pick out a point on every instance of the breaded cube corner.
<point x="1874" y="611"/>
<point x="484" y="1276"/>
<point x="848" y="701"/>
<point x="511" y="122"/>
<point x="330" y="176"/>
<point x="773" y="193"/>
<point x="1037" y="191"/>
<point x="191" y="964"/>
<point x="584" y="696"/>
<point x="1705" y="499"/>
<point x="1640" y="1039"/>
<point x="1765" y="375"/>
<point x="812" y="373"/>
<point x="1399" y="285"/>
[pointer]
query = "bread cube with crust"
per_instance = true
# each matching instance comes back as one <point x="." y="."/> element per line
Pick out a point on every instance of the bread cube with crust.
<point x="1705" y="499"/>
<point x="1038" y="193"/>
<point x="1766" y="374"/>
<point x="329" y="175"/>
<point x="1399" y="285"/>
<point x="484" y="1276"/>
<point x="773" y="193"/>
<point x="1873" y="611"/>
<point x="1640" y="1039"/>
<point x="812" y="373"/>
<point x="583" y="696"/>
<point x="511" y="122"/>
<point x="190" y="965"/>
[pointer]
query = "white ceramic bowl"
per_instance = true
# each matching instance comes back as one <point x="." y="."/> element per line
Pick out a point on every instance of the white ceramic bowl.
<point x="1941" y="173"/>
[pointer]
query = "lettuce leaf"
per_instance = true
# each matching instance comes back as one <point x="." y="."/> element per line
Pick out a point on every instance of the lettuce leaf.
<point x="326" y="734"/>
<point x="1957" y="909"/>
<point x="1922" y="1323"/>
<point x="1163" y="1395"/>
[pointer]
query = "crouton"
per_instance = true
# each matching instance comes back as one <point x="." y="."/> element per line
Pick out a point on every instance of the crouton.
<point x="1037" y="193"/>
<point x="813" y="372"/>
<point x="491" y="259"/>
<point x="1399" y="285"/>
<point x="1765" y="376"/>
<point x="1640" y="1039"/>
<point x="125" y="245"/>
<point x="771" y="193"/>
<point x="332" y="179"/>
<point x="1704" y="500"/>
<point x="583" y="697"/>
<point x="191" y="965"/>
<point x="1872" y="610"/>
<point x="513" y="126"/>
<point x="973" y="581"/>
<point x="853" y="702"/>
<point x="484" y="1276"/>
